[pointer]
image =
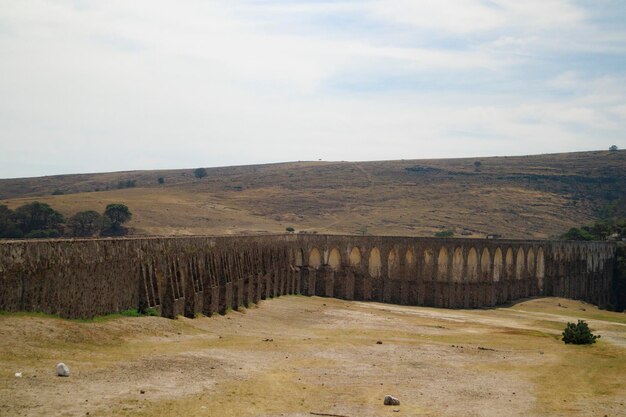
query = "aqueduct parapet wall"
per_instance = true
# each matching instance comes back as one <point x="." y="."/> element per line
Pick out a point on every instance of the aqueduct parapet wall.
<point x="190" y="275"/>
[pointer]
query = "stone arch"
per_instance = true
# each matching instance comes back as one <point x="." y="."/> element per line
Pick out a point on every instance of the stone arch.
<point x="541" y="268"/>
<point x="520" y="263"/>
<point x="355" y="257"/>
<point x="485" y="264"/>
<point x="334" y="259"/>
<point x="315" y="258"/>
<point x="392" y="262"/>
<point x="530" y="262"/>
<point x="508" y="263"/>
<point x="428" y="263"/>
<point x="472" y="265"/>
<point x="442" y="264"/>
<point x="374" y="263"/>
<point x="298" y="257"/>
<point x="497" y="265"/>
<point x="409" y="259"/>
<point x="457" y="265"/>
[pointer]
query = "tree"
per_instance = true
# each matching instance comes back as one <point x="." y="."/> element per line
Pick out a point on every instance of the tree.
<point x="290" y="229"/>
<point x="8" y="228"/>
<point x="87" y="223"/>
<point x="35" y="217"/>
<point x="477" y="164"/>
<point x="117" y="214"/>
<point x="613" y="148"/>
<point x="199" y="172"/>
<point x="578" y="334"/>
<point x="577" y="234"/>
<point x="160" y="180"/>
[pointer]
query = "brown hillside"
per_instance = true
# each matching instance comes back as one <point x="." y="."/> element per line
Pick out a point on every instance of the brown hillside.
<point x="518" y="197"/>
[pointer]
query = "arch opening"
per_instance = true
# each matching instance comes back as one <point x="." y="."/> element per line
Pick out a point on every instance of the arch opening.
<point x="472" y="265"/>
<point x="497" y="265"/>
<point x="442" y="264"/>
<point x="355" y="257"/>
<point x="315" y="258"/>
<point x="374" y="266"/>
<point x="334" y="259"/>
<point x="520" y="264"/>
<point x="457" y="265"/>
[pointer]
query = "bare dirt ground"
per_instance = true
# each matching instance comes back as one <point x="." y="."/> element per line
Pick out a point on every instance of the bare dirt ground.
<point x="294" y="356"/>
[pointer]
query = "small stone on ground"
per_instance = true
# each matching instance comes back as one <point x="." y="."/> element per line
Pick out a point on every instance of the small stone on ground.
<point x="390" y="400"/>
<point x="63" y="370"/>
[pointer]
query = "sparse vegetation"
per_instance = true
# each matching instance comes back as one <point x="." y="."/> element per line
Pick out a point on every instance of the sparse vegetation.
<point x="34" y="220"/>
<point x="126" y="184"/>
<point x="8" y="227"/>
<point x="578" y="334"/>
<point x="87" y="223"/>
<point x="118" y="214"/>
<point x="384" y="196"/>
<point x="200" y="173"/>
<point x="133" y="312"/>
<point x="444" y="233"/>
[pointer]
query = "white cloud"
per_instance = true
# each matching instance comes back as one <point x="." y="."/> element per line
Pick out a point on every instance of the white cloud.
<point x="92" y="86"/>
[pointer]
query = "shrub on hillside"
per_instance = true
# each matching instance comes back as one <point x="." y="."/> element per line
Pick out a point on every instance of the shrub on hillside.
<point x="117" y="214"/>
<point x="577" y="234"/>
<point x="38" y="220"/>
<point x="87" y="224"/>
<point x="578" y="334"/>
<point x="199" y="172"/>
<point x="445" y="233"/>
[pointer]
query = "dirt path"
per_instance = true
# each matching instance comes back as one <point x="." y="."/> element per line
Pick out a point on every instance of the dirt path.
<point x="295" y="355"/>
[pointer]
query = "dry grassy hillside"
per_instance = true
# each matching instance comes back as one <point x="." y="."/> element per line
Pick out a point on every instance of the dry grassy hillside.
<point x="518" y="197"/>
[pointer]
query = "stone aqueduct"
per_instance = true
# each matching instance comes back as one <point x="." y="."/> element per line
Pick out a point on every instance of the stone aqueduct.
<point x="190" y="275"/>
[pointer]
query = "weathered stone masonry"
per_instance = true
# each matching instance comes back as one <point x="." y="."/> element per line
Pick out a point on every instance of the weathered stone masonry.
<point x="189" y="275"/>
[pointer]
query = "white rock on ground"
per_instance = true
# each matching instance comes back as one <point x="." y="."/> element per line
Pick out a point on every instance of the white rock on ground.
<point x="390" y="400"/>
<point x="63" y="370"/>
<point x="18" y="374"/>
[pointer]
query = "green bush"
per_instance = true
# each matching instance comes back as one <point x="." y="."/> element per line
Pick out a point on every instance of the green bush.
<point x="578" y="334"/>
<point x="199" y="173"/>
<point x="445" y="233"/>
<point x="290" y="229"/>
<point x="127" y="184"/>
<point x="577" y="234"/>
<point x="133" y="312"/>
<point x="42" y="234"/>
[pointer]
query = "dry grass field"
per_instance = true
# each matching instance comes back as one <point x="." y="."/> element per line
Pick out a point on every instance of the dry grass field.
<point x="517" y="197"/>
<point x="294" y="356"/>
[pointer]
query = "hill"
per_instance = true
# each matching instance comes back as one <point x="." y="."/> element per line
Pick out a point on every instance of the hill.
<point x="517" y="197"/>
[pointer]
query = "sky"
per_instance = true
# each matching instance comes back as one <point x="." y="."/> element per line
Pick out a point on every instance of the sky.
<point x="92" y="85"/>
